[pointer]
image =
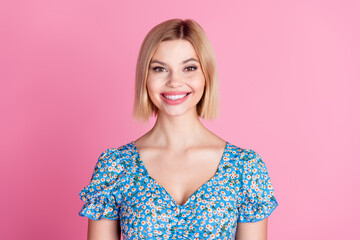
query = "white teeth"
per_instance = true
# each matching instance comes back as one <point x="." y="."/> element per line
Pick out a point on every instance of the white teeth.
<point x="175" y="97"/>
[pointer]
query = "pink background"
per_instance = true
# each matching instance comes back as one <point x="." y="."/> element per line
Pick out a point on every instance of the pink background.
<point x="289" y="79"/>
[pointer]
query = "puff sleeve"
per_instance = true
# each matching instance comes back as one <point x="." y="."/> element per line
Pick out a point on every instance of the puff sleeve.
<point x="256" y="197"/>
<point x="101" y="196"/>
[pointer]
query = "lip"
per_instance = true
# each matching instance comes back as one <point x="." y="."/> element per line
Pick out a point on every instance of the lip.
<point x="174" y="93"/>
<point x="177" y="101"/>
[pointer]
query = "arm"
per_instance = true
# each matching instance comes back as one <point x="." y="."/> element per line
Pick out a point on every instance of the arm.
<point x="104" y="229"/>
<point x="256" y="199"/>
<point x="101" y="198"/>
<point x="252" y="230"/>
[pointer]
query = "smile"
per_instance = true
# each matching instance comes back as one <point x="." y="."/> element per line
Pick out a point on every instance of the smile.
<point x="174" y="98"/>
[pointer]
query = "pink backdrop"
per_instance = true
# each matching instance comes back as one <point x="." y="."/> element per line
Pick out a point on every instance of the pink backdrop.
<point x="289" y="79"/>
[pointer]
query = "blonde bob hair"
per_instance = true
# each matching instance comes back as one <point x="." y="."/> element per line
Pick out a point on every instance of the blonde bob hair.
<point x="208" y="106"/>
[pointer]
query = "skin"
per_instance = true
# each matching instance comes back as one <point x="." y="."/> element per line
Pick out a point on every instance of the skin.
<point x="252" y="231"/>
<point x="104" y="229"/>
<point x="178" y="152"/>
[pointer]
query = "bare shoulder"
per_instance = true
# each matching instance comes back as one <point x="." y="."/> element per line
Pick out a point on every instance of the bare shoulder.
<point x="252" y="230"/>
<point x="104" y="229"/>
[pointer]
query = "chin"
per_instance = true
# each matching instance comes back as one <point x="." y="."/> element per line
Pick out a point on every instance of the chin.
<point x="176" y="113"/>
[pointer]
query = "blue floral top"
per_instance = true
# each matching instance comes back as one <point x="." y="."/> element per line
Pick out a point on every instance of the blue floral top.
<point x="122" y="189"/>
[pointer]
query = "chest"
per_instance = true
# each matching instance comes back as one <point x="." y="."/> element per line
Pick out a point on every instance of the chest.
<point x="181" y="174"/>
<point x="147" y="210"/>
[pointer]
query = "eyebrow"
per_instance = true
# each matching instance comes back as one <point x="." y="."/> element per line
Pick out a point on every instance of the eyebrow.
<point x="164" y="64"/>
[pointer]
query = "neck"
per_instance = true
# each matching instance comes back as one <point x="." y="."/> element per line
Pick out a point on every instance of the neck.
<point x="177" y="132"/>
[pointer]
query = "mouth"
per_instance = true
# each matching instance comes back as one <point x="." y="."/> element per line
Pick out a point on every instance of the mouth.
<point x="174" y="96"/>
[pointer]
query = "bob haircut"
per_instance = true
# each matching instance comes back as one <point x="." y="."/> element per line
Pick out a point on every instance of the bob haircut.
<point x="208" y="106"/>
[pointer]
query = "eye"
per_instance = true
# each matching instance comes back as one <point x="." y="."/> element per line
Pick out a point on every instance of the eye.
<point x="158" y="69"/>
<point x="190" y="68"/>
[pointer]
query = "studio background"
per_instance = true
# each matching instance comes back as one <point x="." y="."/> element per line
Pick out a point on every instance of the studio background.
<point x="289" y="81"/>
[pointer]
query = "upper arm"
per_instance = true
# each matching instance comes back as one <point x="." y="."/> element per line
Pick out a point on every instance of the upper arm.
<point x="252" y="230"/>
<point x="102" y="198"/>
<point x="104" y="229"/>
<point x="256" y="199"/>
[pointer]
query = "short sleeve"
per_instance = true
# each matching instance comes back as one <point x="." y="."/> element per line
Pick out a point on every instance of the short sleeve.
<point x="101" y="195"/>
<point x="256" y="198"/>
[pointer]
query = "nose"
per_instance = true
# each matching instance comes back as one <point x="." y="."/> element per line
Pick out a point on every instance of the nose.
<point x="174" y="80"/>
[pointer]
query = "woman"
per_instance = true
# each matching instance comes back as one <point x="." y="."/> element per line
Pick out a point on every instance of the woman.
<point x="179" y="180"/>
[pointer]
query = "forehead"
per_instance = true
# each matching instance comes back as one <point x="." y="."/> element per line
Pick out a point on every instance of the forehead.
<point x="171" y="50"/>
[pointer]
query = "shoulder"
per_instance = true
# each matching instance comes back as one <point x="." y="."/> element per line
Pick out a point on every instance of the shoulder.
<point x="242" y="153"/>
<point x="246" y="158"/>
<point x="115" y="159"/>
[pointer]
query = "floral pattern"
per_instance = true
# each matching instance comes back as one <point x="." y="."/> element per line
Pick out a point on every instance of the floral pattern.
<point x="122" y="189"/>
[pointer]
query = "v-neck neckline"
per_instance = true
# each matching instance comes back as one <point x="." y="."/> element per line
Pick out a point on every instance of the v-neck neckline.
<point x="146" y="173"/>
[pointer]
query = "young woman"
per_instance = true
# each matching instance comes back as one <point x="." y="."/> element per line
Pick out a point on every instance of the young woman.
<point x="179" y="180"/>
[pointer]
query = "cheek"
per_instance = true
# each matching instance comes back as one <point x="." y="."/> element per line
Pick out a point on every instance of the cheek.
<point x="152" y="89"/>
<point x="198" y="83"/>
<point x="151" y="85"/>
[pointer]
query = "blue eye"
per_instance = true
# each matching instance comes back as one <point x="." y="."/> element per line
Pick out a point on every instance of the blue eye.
<point x="158" y="69"/>
<point x="191" y="68"/>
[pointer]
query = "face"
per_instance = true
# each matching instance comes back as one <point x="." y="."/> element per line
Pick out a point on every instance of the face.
<point x="175" y="80"/>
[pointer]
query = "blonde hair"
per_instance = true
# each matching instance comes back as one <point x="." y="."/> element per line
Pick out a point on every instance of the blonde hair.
<point x="208" y="106"/>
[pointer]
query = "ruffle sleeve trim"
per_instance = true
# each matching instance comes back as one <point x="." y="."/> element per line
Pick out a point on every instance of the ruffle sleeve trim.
<point x="99" y="205"/>
<point x="258" y="212"/>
